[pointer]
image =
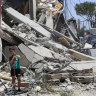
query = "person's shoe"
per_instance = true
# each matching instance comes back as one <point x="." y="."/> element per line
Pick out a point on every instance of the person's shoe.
<point x="19" y="89"/>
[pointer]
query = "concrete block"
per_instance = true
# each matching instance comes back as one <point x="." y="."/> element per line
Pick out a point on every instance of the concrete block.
<point x="30" y="54"/>
<point x="44" y="52"/>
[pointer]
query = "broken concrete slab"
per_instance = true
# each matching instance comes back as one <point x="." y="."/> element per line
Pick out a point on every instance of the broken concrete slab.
<point x="59" y="35"/>
<point x="9" y="30"/>
<point x="58" y="48"/>
<point x="83" y="65"/>
<point x="7" y="37"/>
<point x="31" y="55"/>
<point x="38" y="67"/>
<point x="21" y="18"/>
<point x="80" y="55"/>
<point x="5" y="27"/>
<point x="76" y="67"/>
<point x="32" y="37"/>
<point x="44" y="52"/>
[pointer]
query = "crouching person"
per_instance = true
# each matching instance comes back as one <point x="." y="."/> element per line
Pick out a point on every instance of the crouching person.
<point x="15" y="67"/>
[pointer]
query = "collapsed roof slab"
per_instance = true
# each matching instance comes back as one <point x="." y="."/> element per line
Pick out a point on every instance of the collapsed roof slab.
<point x="31" y="55"/>
<point x="60" y="35"/>
<point x="9" y="30"/>
<point x="44" y="52"/>
<point x="81" y="56"/>
<point x="7" y="37"/>
<point x="18" y="17"/>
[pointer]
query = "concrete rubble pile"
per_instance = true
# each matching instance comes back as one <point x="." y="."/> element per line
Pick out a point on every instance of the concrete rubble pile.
<point x="47" y="43"/>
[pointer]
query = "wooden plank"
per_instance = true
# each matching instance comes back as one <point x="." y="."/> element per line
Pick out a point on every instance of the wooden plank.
<point x="80" y="55"/>
<point x="5" y="77"/>
<point x="64" y="42"/>
<point x="18" y="17"/>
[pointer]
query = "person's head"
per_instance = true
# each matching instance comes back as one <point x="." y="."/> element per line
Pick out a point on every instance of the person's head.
<point x="12" y="51"/>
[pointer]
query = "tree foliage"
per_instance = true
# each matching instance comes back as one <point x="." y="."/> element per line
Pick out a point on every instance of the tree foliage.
<point x="86" y="9"/>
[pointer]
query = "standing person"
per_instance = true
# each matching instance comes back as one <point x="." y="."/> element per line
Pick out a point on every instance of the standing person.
<point x="15" y="67"/>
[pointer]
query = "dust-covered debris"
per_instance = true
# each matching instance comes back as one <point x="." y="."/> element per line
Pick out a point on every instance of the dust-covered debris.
<point x="52" y="63"/>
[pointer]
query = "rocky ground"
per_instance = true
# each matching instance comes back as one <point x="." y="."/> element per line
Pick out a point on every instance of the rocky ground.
<point x="66" y="88"/>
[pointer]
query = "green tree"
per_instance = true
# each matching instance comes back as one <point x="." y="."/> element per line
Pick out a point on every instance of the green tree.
<point x="86" y="9"/>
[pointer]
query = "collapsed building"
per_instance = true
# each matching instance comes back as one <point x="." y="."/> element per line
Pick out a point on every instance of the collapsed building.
<point x="46" y="41"/>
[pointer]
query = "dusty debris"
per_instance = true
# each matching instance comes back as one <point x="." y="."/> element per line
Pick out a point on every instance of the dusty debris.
<point x="50" y="50"/>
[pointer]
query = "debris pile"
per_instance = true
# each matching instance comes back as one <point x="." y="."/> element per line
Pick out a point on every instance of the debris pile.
<point x="47" y="43"/>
